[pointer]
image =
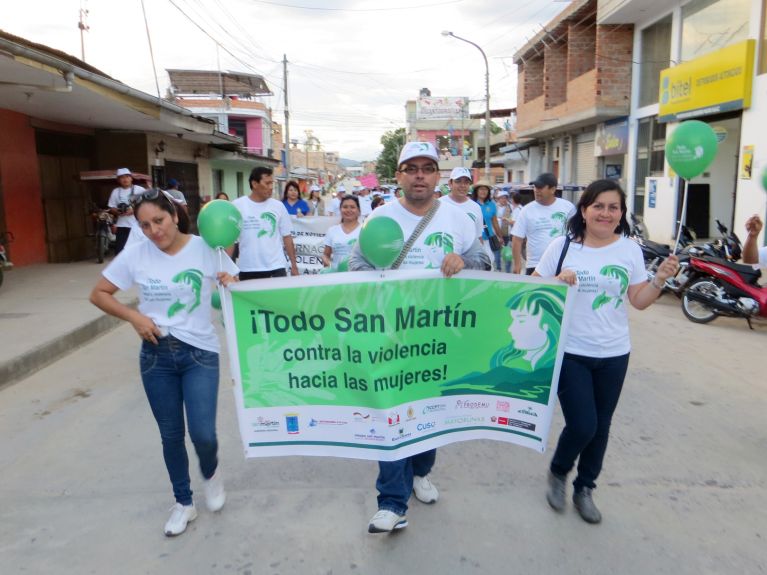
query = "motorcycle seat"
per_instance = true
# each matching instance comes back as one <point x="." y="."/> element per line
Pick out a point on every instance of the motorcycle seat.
<point x="748" y="272"/>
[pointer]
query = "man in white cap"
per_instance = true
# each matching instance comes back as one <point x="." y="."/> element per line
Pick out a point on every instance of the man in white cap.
<point x="540" y="222"/>
<point x="457" y="248"/>
<point x="459" y="184"/>
<point x="335" y="203"/>
<point x="365" y="202"/>
<point x="119" y="206"/>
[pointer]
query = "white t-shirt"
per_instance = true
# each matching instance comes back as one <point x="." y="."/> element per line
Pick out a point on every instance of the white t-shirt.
<point x="449" y="231"/>
<point x="366" y="206"/>
<point x="599" y="324"/>
<point x="541" y="224"/>
<point x="471" y="208"/>
<point x="341" y="243"/>
<point x="335" y="207"/>
<point x="264" y="224"/>
<point x="174" y="291"/>
<point x="122" y="196"/>
<point x="763" y="256"/>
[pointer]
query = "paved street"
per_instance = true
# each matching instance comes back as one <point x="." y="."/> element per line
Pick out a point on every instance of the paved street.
<point x="84" y="490"/>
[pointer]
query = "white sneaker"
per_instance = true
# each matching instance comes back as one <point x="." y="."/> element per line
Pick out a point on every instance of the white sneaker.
<point x="215" y="496"/>
<point x="425" y="491"/>
<point x="385" y="521"/>
<point x="179" y="517"/>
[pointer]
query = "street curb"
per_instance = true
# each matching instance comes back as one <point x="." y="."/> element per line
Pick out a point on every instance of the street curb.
<point x="24" y="365"/>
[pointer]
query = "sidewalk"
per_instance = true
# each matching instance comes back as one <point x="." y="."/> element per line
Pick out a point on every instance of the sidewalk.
<point x="45" y="314"/>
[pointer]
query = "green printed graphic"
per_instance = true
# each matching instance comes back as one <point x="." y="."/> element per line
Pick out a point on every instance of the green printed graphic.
<point x="188" y="301"/>
<point x="271" y="221"/>
<point x="616" y="272"/>
<point x="560" y="221"/>
<point x="380" y="344"/>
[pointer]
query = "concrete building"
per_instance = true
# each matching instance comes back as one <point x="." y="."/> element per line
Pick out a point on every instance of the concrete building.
<point x="703" y="59"/>
<point x="61" y="118"/>
<point x="311" y="164"/>
<point x="574" y="89"/>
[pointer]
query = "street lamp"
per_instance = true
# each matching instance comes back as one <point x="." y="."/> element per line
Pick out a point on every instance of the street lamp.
<point x="487" y="99"/>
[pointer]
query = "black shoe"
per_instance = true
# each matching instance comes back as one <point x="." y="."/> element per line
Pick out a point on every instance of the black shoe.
<point x="556" y="492"/>
<point x="586" y="507"/>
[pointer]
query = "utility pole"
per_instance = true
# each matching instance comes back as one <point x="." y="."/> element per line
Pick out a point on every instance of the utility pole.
<point x="83" y="29"/>
<point x="286" y="140"/>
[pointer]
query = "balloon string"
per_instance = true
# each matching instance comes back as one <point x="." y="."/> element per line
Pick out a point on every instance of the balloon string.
<point x="221" y="288"/>
<point x="682" y="218"/>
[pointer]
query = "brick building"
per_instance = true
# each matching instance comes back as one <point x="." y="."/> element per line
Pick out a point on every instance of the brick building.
<point x="574" y="89"/>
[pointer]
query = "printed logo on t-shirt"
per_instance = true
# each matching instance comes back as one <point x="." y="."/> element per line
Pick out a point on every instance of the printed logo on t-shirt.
<point x="559" y="220"/>
<point x="439" y="245"/>
<point x="270" y="220"/>
<point x="472" y="216"/>
<point x="188" y="296"/>
<point x="616" y="273"/>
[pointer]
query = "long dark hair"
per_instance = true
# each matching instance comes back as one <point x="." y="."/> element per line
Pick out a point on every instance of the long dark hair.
<point x="576" y="226"/>
<point x="166" y="204"/>
<point x="291" y="184"/>
<point x="475" y="194"/>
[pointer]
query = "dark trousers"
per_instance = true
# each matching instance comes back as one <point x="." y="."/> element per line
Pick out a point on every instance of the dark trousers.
<point x="121" y="238"/>
<point x="280" y="273"/>
<point x="395" y="479"/>
<point x="589" y="389"/>
<point x="529" y="271"/>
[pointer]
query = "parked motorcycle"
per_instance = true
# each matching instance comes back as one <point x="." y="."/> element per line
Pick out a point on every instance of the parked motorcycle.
<point x="722" y="288"/>
<point x="5" y="263"/>
<point x="104" y="237"/>
<point x="654" y="253"/>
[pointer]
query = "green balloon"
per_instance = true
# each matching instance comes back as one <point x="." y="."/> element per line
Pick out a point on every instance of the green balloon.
<point x="507" y="254"/>
<point x="215" y="300"/>
<point x="691" y="148"/>
<point x="381" y="241"/>
<point x="326" y="271"/>
<point x="219" y="223"/>
<point x="343" y="265"/>
<point x="764" y="178"/>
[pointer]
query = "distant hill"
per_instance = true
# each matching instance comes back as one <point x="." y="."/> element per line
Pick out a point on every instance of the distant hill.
<point x="346" y="163"/>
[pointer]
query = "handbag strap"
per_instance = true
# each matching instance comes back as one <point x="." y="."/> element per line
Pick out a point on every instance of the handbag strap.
<point x="414" y="236"/>
<point x="562" y="255"/>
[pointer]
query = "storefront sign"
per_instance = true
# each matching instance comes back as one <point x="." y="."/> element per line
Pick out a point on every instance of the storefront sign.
<point x="446" y="108"/>
<point x="715" y="83"/>
<point x="612" y="138"/>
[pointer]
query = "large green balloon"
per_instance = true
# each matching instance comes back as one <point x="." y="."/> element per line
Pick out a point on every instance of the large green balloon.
<point x="219" y="223"/>
<point x="691" y="148"/>
<point x="381" y="241"/>
<point x="215" y="300"/>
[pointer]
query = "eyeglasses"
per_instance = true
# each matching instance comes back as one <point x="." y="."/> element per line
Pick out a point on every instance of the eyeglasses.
<point x="151" y="195"/>
<point x="426" y="170"/>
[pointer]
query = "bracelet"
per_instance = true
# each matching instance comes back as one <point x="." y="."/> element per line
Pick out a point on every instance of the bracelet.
<point x="655" y="285"/>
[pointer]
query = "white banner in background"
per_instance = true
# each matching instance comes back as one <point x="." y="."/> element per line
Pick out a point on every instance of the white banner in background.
<point x="309" y="238"/>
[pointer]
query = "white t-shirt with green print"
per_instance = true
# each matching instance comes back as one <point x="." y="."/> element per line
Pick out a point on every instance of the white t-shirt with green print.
<point x="540" y="225"/>
<point x="264" y="224"/>
<point x="471" y="209"/>
<point x="341" y="243"/>
<point x="449" y="231"/>
<point x="174" y="291"/>
<point x="599" y="324"/>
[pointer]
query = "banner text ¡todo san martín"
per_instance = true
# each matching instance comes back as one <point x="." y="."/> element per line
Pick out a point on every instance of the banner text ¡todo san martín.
<point x="267" y="321"/>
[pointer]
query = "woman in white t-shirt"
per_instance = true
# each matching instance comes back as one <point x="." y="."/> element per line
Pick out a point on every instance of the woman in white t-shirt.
<point x="608" y="270"/>
<point x="175" y="273"/>
<point x="340" y="239"/>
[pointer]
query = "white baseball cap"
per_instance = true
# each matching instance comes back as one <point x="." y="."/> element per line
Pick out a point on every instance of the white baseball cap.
<point x="123" y="172"/>
<point x="315" y="188"/>
<point x="460" y="173"/>
<point x="503" y="193"/>
<point x="341" y="189"/>
<point x="418" y="150"/>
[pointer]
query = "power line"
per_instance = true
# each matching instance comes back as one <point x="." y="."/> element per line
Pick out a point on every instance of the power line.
<point x="320" y="8"/>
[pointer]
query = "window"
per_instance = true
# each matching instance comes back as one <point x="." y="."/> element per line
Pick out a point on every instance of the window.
<point x="218" y="182"/>
<point x="708" y="25"/>
<point x="499" y="179"/>
<point x="655" y="56"/>
<point x="651" y="142"/>
<point x="240" y="184"/>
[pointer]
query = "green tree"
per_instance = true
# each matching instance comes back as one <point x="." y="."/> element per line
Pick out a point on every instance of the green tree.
<point x="386" y="164"/>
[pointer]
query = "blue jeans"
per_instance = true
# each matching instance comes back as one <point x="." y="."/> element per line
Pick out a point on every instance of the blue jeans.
<point x="395" y="479"/>
<point x="589" y="389"/>
<point x="177" y="375"/>
<point x="502" y="265"/>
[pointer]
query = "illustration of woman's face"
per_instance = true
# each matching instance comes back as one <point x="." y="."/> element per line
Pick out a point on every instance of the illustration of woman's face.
<point x="526" y="330"/>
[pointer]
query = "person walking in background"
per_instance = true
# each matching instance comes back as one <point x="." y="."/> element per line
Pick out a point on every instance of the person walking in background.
<point x="179" y="360"/>
<point x="608" y="270"/>
<point x="491" y="234"/>
<point x="293" y="202"/>
<point x="176" y="194"/>
<point x="120" y="208"/>
<point x="316" y="207"/>
<point x="504" y="211"/>
<point x="335" y="204"/>
<point x="341" y="238"/>
<point x="265" y="235"/>
<point x="539" y="222"/>
<point x="447" y="242"/>
<point x="222" y="196"/>
<point x="459" y="185"/>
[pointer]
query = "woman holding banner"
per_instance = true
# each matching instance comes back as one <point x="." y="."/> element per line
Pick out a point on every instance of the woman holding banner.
<point x="341" y="238"/>
<point x="608" y="270"/>
<point x="179" y="353"/>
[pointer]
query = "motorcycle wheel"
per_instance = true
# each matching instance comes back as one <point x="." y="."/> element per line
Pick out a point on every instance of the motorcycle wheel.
<point x="101" y="247"/>
<point x="696" y="311"/>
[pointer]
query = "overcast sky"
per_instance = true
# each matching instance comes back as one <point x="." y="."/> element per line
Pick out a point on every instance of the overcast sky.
<point x="352" y="64"/>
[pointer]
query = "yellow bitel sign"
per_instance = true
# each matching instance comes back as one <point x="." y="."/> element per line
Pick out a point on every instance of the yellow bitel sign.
<point x="718" y="82"/>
